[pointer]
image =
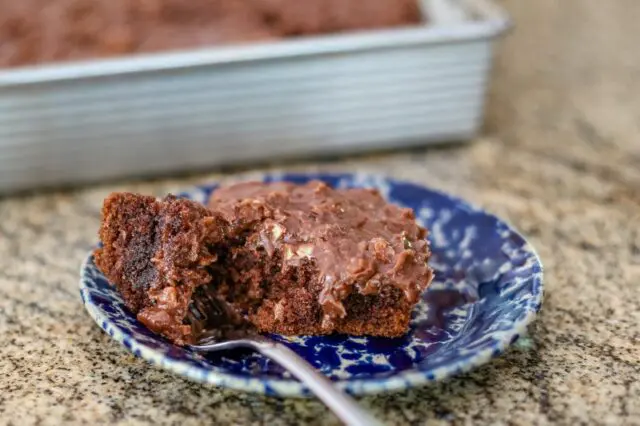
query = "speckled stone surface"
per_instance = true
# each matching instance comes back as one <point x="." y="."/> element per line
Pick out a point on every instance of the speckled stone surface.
<point x="561" y="162"/>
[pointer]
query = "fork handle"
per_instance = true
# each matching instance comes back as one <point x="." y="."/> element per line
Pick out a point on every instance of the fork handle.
<point x="339" y="402"/>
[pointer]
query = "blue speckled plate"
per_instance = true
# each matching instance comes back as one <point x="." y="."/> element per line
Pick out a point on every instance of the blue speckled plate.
<point x="487" y="288"/>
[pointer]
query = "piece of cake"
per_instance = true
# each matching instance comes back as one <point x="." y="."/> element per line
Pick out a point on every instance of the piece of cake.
<point x="292" y="259"/>
<point x="157" y="252"/>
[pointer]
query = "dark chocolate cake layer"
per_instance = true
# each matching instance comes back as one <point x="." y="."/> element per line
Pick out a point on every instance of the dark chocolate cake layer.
<point x="291" y="259"/>
<point x="157" y="253"/>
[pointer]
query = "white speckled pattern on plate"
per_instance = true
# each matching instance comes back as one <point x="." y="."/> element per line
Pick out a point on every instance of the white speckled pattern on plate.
<point x="487" y="288"/>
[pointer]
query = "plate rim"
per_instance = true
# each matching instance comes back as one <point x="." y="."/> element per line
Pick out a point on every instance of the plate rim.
<point x="360" y="386"/>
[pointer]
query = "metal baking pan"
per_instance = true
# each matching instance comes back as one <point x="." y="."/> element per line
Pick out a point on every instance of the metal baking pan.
<point x="149" y="114"/>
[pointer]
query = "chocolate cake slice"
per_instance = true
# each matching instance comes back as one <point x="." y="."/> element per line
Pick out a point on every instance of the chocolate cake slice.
<point x="157" y="253"/>
<point x="292" y="259"/>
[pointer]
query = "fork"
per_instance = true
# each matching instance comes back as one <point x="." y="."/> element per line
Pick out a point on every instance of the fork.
<point x="207" y="314"/>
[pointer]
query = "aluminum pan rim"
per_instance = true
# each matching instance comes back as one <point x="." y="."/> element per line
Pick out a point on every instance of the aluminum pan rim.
<point x="493" y="21"/>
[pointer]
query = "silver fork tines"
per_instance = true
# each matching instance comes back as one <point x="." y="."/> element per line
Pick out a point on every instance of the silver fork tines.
<point x="214" y="323"/>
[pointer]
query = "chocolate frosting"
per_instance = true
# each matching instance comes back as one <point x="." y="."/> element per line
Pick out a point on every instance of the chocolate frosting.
<point x="36" y="31"/>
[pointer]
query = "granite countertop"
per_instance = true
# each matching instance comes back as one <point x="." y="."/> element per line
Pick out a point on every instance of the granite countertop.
<point x="561" y="162"/>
